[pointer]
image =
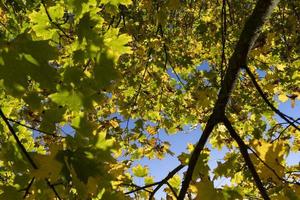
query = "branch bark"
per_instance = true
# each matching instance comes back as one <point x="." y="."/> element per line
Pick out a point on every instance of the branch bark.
<point x="278" y="112"/>
<point x="24" y="151"/>
<point x="244" y="151"/>
<point x="237" y="61"/>
<point x="158" y="184"/>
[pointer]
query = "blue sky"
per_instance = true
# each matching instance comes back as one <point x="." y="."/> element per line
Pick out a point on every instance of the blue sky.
<point x="160" y="168"/>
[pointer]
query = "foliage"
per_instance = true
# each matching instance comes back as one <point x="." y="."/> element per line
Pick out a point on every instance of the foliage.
<point x="117" y="72"/>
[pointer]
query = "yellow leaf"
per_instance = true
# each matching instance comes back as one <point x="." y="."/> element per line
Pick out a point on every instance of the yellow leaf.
<point x="273" y="155"/>
<point x="206" y="190"/>
<point x="140" y="171"/>
<point x="114" y="123"/>
<point x="151" y="130"/>
<point x="148" y="180"/>
<point x="175" y="181"/>
<point x="281" y="67"/>
<point x="282" y="98"/>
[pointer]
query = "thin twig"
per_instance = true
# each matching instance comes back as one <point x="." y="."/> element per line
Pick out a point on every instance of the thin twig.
<point x="159" y="183"/>
<point x="6" y="27"/>
<point x="21" y="146"/>
<point x="270" y="168"/>
<point x="28" y="187"/>
<point x="52" y="188"/>
<point x="172" y="189"/>
<point x="138" y="91"/>
<point x="278" y="112"/>
<point x="165" y="180"/>
<point x="138" y="187"/>
<point x="142" y="188"/>
<point x="54" y="23"/>
<point x="32" y="128"/>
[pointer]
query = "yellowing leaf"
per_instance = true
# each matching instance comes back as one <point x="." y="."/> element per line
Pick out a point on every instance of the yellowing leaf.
<point x="281" y="67"/>
<point x="283" y="98"/>
<point x="117" y="2"/>
<point x="272" y="154"/>
<point x="148" y="180"/>
<point x="206" y="190"/>
<point x="140" y="171"/>
<point x="116" y="43"/>
<point x="114" y="123"/>
<point x="175" y="181"/>
<point x="151" y="130"/>
<point x="184" y="158"/>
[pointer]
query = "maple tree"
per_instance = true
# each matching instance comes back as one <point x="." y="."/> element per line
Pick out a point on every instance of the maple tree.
<point x="117" y="72"/>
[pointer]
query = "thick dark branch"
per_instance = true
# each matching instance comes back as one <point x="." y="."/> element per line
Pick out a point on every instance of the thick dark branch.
<point x="238" y="60"/>
<point x="258" y="88"/>
<point x="244" y="151"/>
<point x="194" y="158"/>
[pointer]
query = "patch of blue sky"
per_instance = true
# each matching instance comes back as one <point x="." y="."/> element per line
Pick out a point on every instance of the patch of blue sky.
<point x="160" y="168"/>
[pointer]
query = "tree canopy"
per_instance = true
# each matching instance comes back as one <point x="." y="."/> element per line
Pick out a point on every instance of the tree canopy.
<point x="118" y="72"/>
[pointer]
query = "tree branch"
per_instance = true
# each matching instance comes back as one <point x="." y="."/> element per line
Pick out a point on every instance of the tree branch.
<point x="244" y="151"/>
<point x="270" y="168"/>
<point x="238" y="60"/>
<point x="28" y="187"/>
<point x="258" y="88"/>
<point x="54" y="23"/>
<point x="172" y="189"/>
<point x="32" y="128"/>
<point x="21" y="146"/>
<point x="159" y="184"/>
<point x="165" y="180"/>
<point x="138" y="188"/>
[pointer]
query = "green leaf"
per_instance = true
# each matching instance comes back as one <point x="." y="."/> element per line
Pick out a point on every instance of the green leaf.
<point x="41" y="24"/>
<point x="117" y="2"/>
<point x="104" y="73"/>
<point x="71" y="99"/>
<point x="48" y="165"/>
<point x="10" y="192"/>
<point x="116" y="43"/>
<point x="102" y="142"/>
<point x="140" y="171"/>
